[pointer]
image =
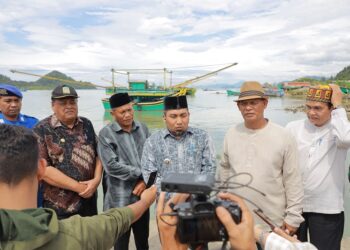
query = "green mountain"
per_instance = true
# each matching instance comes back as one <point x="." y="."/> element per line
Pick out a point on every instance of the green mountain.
<point x="341" y="78"/>
<point x="48" y="81"/>
<point x="344" y="74"/>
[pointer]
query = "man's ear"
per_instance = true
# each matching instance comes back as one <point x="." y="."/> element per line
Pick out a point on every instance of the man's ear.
<point x="41" y="168"/>
<point x="266" y="102"/>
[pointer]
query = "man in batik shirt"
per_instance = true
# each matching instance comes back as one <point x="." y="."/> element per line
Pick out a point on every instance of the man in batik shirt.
<point x="177" y="148"/>
<point x="68" y="143"/>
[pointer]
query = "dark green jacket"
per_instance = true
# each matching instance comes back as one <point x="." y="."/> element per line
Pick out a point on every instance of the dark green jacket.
<point x="40" y="229"/>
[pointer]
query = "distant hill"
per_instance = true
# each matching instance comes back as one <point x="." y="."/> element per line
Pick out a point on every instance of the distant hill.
<point x="48" y="81"/>
<point x="309" y="79"/>
<point x="340" y="76"/>
<point x="344" y="74"/>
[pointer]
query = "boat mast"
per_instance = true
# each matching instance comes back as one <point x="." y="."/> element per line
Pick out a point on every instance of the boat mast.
<point x="113" y="83"/>
<point x="198" y="78"/>
<point x="164" y="78"/>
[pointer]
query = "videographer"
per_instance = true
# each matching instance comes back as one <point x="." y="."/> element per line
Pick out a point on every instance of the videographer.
<point x="24" y="226"/>
<point x="242" y="236"/>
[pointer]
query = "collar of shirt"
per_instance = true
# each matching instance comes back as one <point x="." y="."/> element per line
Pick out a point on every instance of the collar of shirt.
<point x="116" y="127"/>
<point x="20" y="118"/>
<point x="167" y="133"/>
<point x="314" y="128"/>
<point x="55" y="123"/>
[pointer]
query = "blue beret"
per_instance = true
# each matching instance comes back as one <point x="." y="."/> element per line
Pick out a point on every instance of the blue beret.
<point x="9" y="90"/>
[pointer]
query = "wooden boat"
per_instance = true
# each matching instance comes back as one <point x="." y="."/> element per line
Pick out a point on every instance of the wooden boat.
<point x="274" y="92"/>
<point x="345" y="90"/>
<point x="189" y="91"/>
<point x="147" y="100"/>
<point x="113" y="90"/>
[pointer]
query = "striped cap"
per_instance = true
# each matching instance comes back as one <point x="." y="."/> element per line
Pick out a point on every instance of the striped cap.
<point x="251" y="90"/>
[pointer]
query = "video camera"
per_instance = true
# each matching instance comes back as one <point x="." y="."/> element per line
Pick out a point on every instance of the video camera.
<point x="197" y="220"/>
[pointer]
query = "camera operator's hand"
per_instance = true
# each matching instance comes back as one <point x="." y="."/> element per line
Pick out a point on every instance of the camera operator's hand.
<point x="149" y="195"/>
<point x="167" y="224"/>
<point x="241" y="236"/>
<point x="147" y="198"/>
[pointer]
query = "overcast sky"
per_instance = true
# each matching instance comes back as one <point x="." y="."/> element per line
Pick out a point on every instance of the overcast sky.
<point x="271" y="40"/>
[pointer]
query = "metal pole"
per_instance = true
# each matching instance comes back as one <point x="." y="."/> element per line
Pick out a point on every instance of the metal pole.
<point x="113" y="78"/>
<point x="164" y="78"/>
<point x="171" y="78"/>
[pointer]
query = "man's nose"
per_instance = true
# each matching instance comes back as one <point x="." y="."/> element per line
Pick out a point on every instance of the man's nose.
<point x="311" y="111"/>
<point x="248" y="107"/>
<point x="178" y="120"/>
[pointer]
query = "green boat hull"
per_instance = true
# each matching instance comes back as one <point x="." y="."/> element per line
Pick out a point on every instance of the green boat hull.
<point x="112" y="91"/>
<point x="138" y="107"/>
<point x="146" y="99"/>
<point x="232" y="92"/>
<point x="345" y="90"/>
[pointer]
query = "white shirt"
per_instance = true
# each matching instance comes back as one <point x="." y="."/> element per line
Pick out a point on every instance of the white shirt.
<point x="268" y="157"/>
<point x="276" y="242"/>
<point x="322" y="155"/>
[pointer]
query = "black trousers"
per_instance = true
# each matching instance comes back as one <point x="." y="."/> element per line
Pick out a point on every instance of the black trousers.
<point x="140" y="229"/>
<point x="325" y="230"/>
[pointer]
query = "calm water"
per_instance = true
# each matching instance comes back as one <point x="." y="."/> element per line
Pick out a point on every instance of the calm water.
<point x="212" y="111"/>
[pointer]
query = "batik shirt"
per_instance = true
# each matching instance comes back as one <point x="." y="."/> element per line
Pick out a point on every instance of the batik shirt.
<point x="120" y="153"/>
<point x="192" y="153"/>
<point x="73" y="152"/>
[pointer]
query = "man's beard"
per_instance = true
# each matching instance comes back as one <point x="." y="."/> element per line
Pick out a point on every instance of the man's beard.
<point x="177" y="133"/>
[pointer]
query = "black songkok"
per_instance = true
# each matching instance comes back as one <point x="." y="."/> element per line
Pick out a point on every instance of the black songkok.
<point x="175" y="102"/>
<point x="119" y="99"/>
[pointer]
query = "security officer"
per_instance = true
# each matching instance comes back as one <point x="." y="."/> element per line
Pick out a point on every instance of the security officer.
<point x="10" y="108"/>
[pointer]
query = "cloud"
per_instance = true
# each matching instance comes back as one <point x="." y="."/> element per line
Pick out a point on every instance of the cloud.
<point x="159" y="26"/>
<point x="271" y="40"/>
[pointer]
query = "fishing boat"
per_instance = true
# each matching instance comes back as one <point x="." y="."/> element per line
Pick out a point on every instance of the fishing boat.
<point x="345" y="90"/>
<point x="189" y="91"/>
<point x="274" y="92"/>
<point x="113" y="90"/>
<point x="146" y="98"/>
<point x="232" y="92"/>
